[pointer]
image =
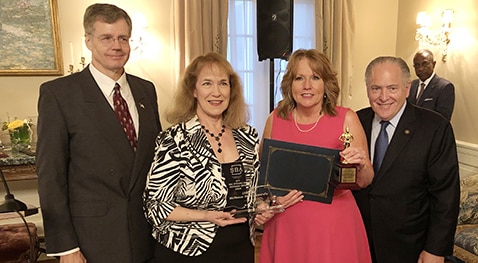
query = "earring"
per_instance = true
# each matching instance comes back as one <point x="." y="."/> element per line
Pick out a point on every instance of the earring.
<point x="325" y="96"/>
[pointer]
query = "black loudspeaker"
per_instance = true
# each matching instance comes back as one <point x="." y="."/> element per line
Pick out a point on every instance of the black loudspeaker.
<point x="274" y="28"/>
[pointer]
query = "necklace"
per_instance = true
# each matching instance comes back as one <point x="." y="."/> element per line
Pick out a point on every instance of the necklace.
<point x="217" y="138"/>
<point x="308" y="130"/>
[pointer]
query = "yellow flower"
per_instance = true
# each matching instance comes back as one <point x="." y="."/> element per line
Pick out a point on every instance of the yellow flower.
<point x="14" y="125"/>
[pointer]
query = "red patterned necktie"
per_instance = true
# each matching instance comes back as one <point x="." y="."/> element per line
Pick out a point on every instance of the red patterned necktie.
<point x="122" y="112"/>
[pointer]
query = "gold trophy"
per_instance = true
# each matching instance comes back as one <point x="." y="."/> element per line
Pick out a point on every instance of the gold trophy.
<point x="346" y="177"/>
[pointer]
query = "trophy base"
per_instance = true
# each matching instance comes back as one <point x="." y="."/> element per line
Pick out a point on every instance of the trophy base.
<point x="345" y="186"/>
<point x="346" y="177"/>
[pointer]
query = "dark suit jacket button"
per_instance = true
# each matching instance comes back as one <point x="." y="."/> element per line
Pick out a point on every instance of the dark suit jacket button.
<point x="372" y="196"/>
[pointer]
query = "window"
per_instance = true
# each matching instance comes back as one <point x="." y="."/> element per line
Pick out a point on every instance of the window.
<point x="242" y="53"/>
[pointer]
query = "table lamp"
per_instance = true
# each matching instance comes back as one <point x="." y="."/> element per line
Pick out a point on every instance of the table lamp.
<point x="10" y="204"/>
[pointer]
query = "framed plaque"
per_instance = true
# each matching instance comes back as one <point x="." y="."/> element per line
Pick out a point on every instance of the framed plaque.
<point x="287" y="166"/>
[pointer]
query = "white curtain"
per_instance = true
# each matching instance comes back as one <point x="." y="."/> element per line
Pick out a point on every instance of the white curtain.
<point x="229" y="27"/>
<point x="242" y="53"/>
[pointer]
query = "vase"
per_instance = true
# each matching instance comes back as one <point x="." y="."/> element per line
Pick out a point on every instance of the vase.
<point x="20" y="138"/>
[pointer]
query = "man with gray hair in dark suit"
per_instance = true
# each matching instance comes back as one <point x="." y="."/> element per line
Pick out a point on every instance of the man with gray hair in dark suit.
<point x="410" y="209"/>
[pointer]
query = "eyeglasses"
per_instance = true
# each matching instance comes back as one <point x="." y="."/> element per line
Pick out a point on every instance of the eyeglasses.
<point x="107" y="40"/>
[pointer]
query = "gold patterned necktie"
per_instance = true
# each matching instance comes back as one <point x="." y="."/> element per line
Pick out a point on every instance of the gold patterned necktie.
<point x="123" y="115"/>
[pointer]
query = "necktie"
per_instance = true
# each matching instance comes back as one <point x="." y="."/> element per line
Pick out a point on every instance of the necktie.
<point x="420" y="90"/>
<point x="122" y="113"/>
<point x="381" y="145"/>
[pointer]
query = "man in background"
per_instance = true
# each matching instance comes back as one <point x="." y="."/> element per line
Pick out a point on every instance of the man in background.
<point x="411" y="208"/>
<point x="96" y="133"/>
<point x="429" y="90"/>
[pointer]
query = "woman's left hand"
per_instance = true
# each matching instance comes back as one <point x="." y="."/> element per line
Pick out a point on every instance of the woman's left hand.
<point x="264" y="214"/>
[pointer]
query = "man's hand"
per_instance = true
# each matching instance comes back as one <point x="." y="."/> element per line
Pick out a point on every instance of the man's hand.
<point x="75" y="257"/>
<point x="426" y="257"/>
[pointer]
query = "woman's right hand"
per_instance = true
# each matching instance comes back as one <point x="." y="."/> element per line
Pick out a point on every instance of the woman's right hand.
<point x="223" y="218"/>
<point x="290" y="199"/>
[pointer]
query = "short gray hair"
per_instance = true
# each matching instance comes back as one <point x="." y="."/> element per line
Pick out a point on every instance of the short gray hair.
<point x="388" y="59"/>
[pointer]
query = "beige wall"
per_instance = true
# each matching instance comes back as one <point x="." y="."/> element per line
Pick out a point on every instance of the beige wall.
<point x="375" y="35"/>
<point x="389" y="29"/>
<point x="460" y="67"/>
<point x="19" y="95"/>
<point x="382" y="28"/>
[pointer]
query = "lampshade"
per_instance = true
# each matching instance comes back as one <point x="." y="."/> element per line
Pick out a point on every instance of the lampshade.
<point x="423" y="19"/>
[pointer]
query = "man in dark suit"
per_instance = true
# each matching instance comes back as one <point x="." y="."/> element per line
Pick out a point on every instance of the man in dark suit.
<point x="92" y="169"/>
<point x="410" y="210"/>
<point x="429" y="90"/>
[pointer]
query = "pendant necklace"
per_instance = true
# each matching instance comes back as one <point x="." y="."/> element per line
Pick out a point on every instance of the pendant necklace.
<point x="297" y="126"/>
<point x="217" y="138"/>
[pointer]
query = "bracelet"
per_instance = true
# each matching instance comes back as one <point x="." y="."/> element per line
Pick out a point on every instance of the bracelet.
<point x="274" y="200"/>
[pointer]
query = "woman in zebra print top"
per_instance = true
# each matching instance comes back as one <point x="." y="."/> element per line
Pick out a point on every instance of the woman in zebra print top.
<point x="187" y="195"/>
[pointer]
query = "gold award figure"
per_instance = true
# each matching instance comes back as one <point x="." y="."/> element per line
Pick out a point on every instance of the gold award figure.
<point x="346" y="138"/>
<point x="346" y="178"/>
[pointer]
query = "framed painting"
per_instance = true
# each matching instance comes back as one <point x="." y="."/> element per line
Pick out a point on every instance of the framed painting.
<point x="30" y="38"/>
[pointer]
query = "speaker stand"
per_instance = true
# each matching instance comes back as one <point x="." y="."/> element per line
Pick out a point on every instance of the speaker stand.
<point x="271" y="85"/>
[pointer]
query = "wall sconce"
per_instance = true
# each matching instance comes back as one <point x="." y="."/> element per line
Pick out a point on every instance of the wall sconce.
<point x="71" y="66"/>
<point x="140" y="23"/>
<point x="440" y="38"/>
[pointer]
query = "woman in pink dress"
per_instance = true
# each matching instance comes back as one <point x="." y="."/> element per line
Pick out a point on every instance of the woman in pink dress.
<point x="309" y="231"/>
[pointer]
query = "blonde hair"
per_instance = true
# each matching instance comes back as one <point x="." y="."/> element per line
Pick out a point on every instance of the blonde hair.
<point x="319" y="64"/>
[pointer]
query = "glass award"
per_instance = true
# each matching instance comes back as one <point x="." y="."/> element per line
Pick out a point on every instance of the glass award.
<point x="265" y="202"/>
<point x="238" y="191"/>
<point x="238" y="188"/>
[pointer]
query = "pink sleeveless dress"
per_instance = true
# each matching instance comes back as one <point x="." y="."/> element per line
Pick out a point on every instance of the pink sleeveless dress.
<point x="312" y="231"/>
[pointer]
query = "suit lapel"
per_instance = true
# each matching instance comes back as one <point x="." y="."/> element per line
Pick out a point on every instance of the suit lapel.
<point x="147" y="128"/>
<point x="104" y="120"/>
<point x="403" y="133"/>
<point x="103" y="117"/>
<point x="428" y="90"/>
<point x="412" y="97"/>
<point x="367" y="126"/>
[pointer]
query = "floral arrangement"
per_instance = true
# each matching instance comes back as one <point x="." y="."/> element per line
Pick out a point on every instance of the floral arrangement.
<point x="20" y="133"/>
<point x="16" y="124"/>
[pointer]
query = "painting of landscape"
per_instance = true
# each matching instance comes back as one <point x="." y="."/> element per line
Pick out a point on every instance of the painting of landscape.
<point x="29" y="38"/>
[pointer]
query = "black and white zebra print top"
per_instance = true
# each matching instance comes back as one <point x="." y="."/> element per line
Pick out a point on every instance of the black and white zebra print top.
<point x="185" y="172"/>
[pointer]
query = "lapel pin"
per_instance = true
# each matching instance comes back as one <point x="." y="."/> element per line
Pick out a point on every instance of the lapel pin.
<point x="141" y="105"/>
<point x="407" y="132"/>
